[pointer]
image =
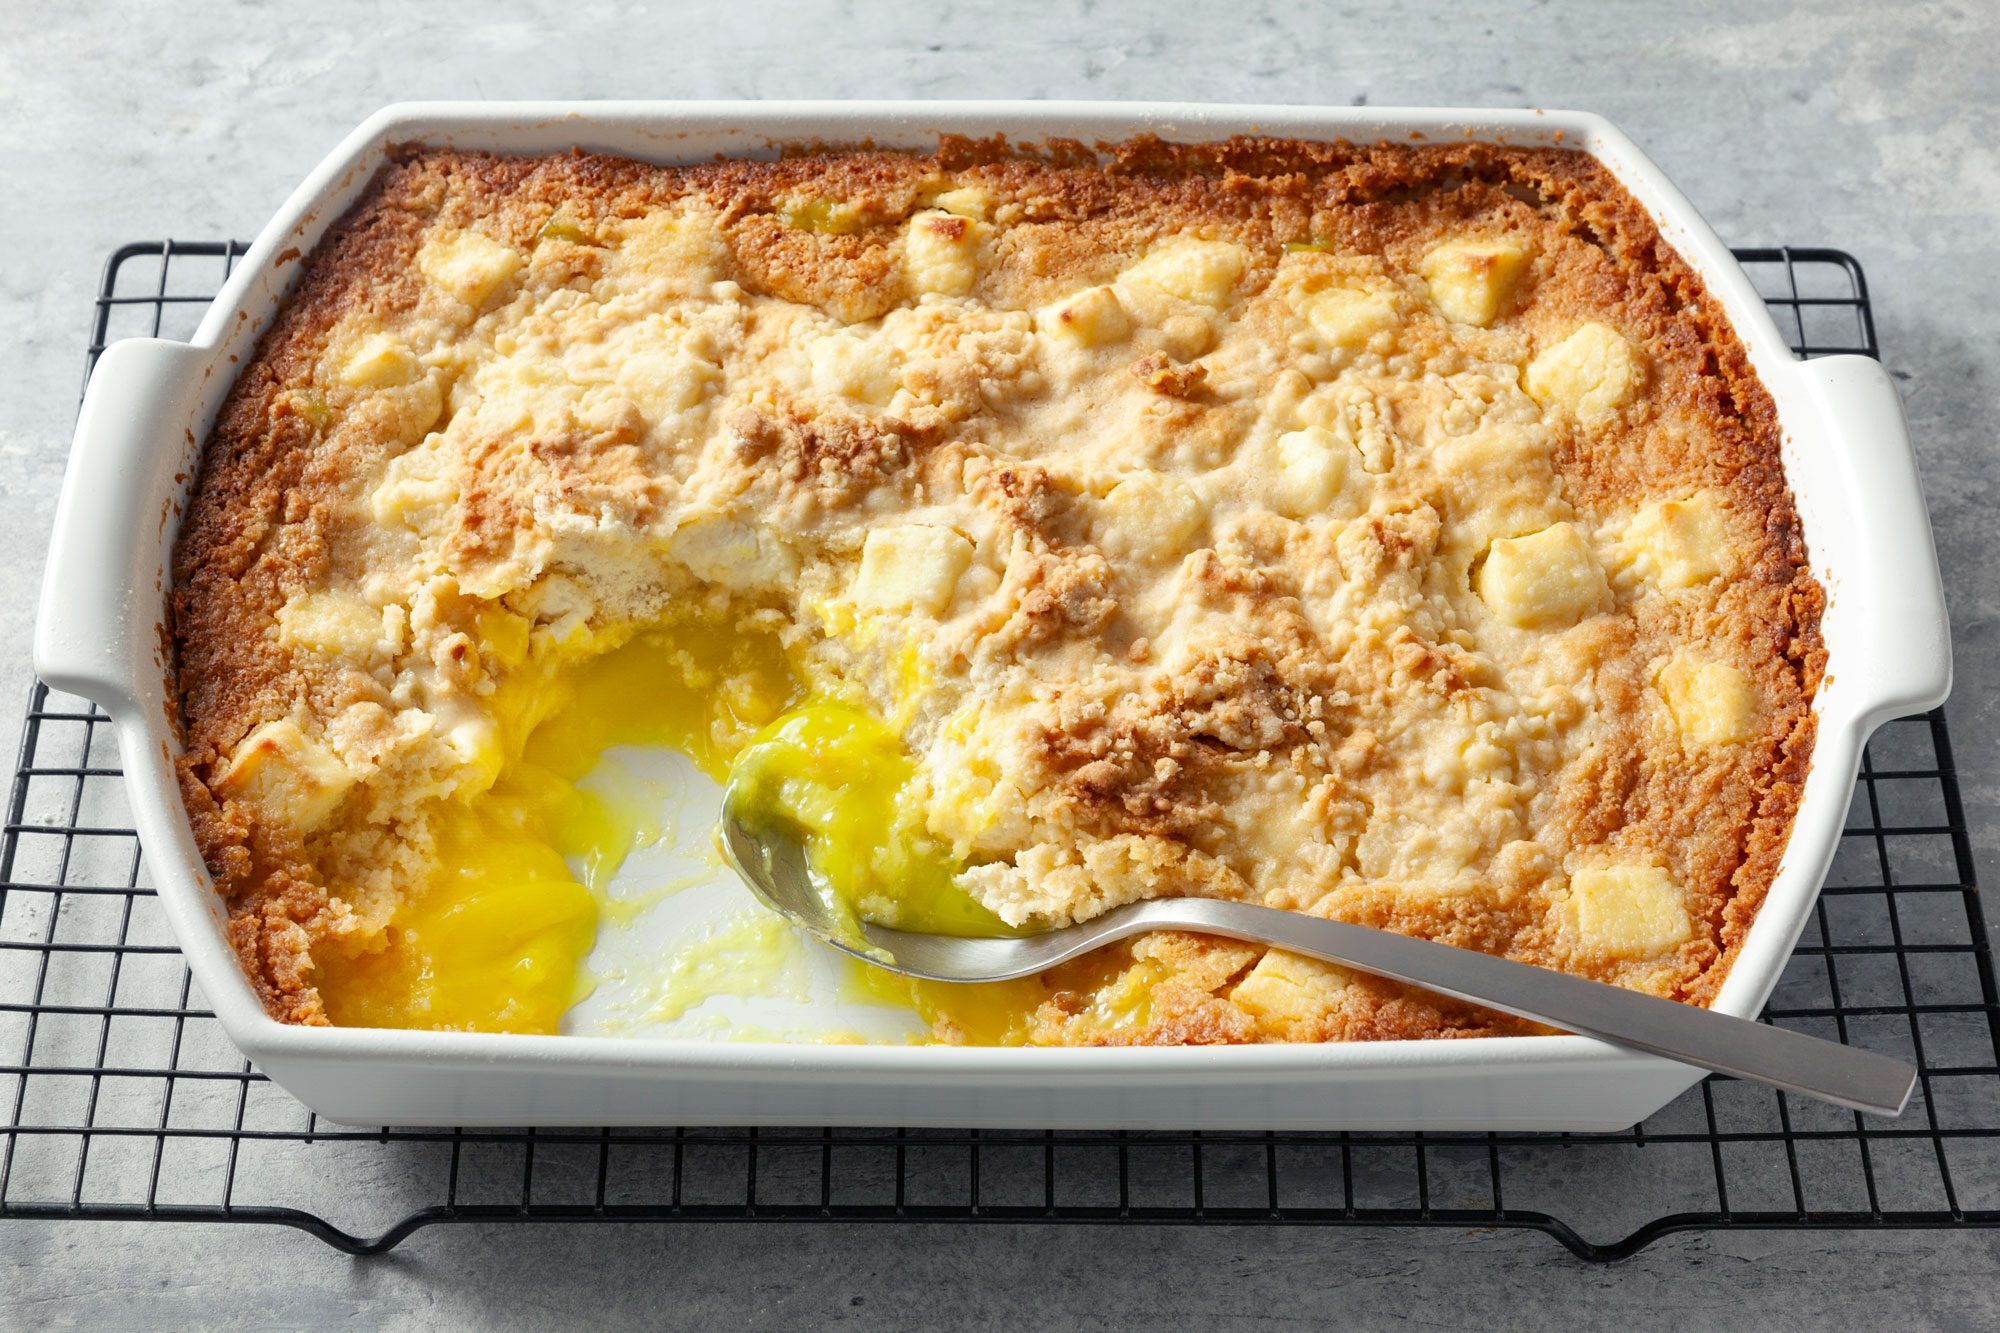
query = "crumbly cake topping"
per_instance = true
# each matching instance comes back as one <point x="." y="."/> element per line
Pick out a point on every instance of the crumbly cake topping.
<point x="1392" y="533"/>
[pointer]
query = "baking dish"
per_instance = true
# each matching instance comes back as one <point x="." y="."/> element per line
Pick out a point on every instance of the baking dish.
<point x="151" y="403"/>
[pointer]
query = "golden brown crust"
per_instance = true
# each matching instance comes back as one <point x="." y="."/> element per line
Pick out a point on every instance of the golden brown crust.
<point x="277" y="499"/>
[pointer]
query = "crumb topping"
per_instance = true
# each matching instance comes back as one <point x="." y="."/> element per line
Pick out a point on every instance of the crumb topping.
<point x="1393" y="533"/>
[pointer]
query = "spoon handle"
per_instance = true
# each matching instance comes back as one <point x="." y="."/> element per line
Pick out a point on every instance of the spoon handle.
<point x="1827" y="1070"/>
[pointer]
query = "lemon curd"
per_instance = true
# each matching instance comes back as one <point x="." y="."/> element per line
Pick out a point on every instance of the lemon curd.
<point x="841" y="779"/>
<point x="497" y="939"/>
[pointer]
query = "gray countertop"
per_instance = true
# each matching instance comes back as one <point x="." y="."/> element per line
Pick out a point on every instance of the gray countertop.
<point x="1852" y="124"/>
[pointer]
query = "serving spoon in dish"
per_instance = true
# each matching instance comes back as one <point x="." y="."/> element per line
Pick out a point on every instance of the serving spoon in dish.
<point x="772" y="861"/>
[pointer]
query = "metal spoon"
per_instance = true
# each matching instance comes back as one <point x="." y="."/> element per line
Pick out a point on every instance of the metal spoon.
<point x="772" y="862"/>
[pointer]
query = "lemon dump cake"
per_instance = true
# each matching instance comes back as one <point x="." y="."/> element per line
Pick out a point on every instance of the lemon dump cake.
<point x="1394" y="533"/>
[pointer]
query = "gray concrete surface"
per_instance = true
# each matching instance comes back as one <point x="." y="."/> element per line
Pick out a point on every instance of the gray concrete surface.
<point x="1857" y="124"/>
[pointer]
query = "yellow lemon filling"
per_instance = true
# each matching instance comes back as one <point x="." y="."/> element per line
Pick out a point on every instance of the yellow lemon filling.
<point x="496" y="940"/>
<point x="841" y="780"/>
<point x="494" y="943"/>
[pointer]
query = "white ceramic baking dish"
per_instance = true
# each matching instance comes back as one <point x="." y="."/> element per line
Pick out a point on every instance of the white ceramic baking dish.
<point x="150" y="405"/>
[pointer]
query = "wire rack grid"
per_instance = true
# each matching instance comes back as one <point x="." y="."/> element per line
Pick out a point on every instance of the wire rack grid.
<point x="123" y="1099"/>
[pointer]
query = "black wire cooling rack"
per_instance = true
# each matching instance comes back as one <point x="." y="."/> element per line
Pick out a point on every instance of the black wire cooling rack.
<point x="125" y="1101"/>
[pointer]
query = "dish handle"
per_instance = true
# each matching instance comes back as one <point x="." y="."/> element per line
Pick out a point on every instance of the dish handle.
<point x="1904" y="663"/>
<point x="97" y="634"/>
